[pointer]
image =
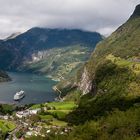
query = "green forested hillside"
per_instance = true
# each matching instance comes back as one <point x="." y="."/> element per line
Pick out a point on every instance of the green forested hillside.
<point x="122" y="48"/>
<point x="109" y="108"/>
<point x="58" y="63"/>
<point x="123" y="43"/>
<point x="54" y="52"/>
<point x="110" y="111"/>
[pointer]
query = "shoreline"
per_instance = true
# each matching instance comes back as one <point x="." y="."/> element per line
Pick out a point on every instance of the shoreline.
<point x="58" y="92"/>
<point x="9" y="101"/>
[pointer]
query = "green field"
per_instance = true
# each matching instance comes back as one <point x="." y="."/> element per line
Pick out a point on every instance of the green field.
<point x="57" y="111"/>
<point x="46" y="117"/>
<point x="57" y="105"/>
<point x="62" y="105"/>
<point x="61" y="109"/>
<point x="6" y="126"/>
<point x="35" y="106"/>
<point x="58" y="123"/>
<point x="131" y="64"/>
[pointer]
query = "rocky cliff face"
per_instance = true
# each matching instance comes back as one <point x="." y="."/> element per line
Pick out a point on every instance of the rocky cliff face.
<point x="85" y="83"/>
<point x="121" y="47"/>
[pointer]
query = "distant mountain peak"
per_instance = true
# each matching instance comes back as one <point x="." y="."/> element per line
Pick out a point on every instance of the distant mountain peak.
<point x="136" y="12"/>
<point x="12" y="36"/>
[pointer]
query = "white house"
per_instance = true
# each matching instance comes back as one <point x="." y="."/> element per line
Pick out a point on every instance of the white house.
<point x="34" y="111"/>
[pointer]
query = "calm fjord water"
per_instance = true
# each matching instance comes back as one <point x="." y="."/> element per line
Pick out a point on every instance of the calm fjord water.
<point x="37" y="88"/>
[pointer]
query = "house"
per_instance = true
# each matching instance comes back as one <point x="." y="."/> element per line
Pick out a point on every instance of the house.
<point x="25" y="113"/>
<point x="6" y="117"/>
<point x="34" y="111"/>
<point x="21" y="114"/>
<point x="29" y="133"/>
<point x="48" y="131"/>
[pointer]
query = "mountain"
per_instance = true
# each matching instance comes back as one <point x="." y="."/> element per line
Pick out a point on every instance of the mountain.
<point x="105" y="92"/>
<point x="122" y="48"/>
<point x="109" y="83"/>
<point x="12" y="36"/>
<point x="136" y="12"/>
<point x="58" y="63"/>
<point x="4" y="77"/>
<point x="48" y="51"/>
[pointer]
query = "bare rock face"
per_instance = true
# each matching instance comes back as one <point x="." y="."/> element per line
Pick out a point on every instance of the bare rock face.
<point x="85" y="84"/>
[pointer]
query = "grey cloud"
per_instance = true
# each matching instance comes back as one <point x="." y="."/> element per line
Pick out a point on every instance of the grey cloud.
<point x="94" y="15"/>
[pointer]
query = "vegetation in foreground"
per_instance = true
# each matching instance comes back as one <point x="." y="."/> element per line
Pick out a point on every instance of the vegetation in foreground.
<point x="59" y="63"/>
<point x="118" y="125"/>
<point x="5" y="127"/>
<point x="112" y="110"/>
<point x="34" y="120"/>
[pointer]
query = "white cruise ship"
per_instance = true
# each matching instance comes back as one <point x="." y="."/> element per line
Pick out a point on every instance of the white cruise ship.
<point x="19" y="95"/>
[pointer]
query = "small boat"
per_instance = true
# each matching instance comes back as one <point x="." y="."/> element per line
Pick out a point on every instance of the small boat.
<point x="19" y="95"/>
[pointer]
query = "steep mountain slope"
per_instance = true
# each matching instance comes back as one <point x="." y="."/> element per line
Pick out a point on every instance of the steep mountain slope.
<point x="58" y="63"/>
<point x="12" y="36"/>
<point x="36" y="50"/>
<point x="110" y="80"/>
<point x="121" y="48"/>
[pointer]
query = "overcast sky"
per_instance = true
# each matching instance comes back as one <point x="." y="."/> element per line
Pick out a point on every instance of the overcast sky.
<point x="103" y="16"/>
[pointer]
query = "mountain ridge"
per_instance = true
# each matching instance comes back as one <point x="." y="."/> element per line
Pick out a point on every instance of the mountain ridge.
<point x="37" y="43"/>
<point x="136" y="11"/>
<point x="109" y="83"/>
<point x="123" y="43"/>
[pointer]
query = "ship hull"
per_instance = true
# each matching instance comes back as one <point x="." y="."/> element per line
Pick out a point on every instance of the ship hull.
<point x="17" y="99"/>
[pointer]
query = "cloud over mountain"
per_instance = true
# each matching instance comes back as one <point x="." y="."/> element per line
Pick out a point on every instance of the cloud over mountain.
<point x="94" y="15"/>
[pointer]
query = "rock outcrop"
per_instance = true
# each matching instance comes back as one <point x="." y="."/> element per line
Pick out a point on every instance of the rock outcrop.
<point x="85" y="83"/>
<point x="124" y="44"/>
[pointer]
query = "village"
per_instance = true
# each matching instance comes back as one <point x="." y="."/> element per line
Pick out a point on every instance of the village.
<point x="37" y="120"/>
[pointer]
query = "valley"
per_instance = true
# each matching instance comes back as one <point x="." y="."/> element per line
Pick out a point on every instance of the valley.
<point x="37" y="50"/>
<point x="93" y="80"/>
<point x="57" y="63"/>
